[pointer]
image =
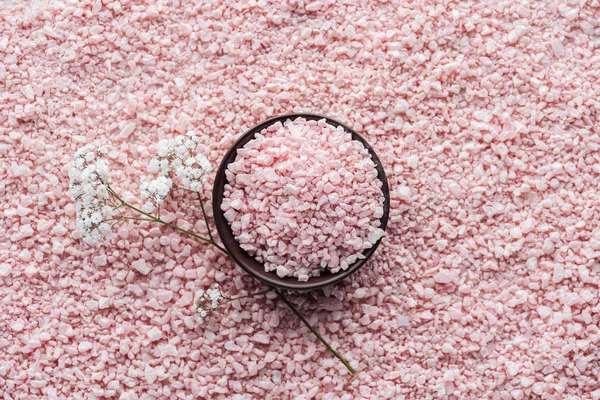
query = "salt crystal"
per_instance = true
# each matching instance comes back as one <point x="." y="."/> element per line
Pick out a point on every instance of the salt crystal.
<point x="455" y="189"/>
<point x="516" y="233"/>
<point x="444" y="277"/>
<point x="334" y="177"/>
<point x="548" y="247"/>
<point x="566" y="349"/>
<point x="292" y="189"/>
<point x="403" y="321"/>
<point x="270" y="175"/>
<point x="261" y="338"/>
<point x="150" y="374"/>
<point x="164" y="295"/>
<point x="236" y="204"/>
<point x="428" y="293"/>
<point x="99" y="261"/>
<point x="27" y="91"/>
<point x="404" y="193"/>
<point x="58" y="230"/>
<point x="570" y="13"/>
<point x="401" y="104"/>
<point x="24" y="255"/>
<point x="526" y="382"/>
<point x="412" y="161"/>
<point x="538" y="388"/>
<point x="57" y="248"/>
<point x="38" y="384"/>
<point x="544" y="311"/>
<point x="5" y="270"/>
<point x="334" y="198"/>
<point x="84" y="346"/>
<point x="182" y="123"/>
<point x="559" y="273"/>
<point x="17" y="326"/>
<point x="513" y="36"/>
<point x="127" y="130"/>
<point x="313" y="6"/>
<point x="22" y="211"/>
<point x="141" y="266"/>
<point x="26" y="231"/>
<point x="103" y="302"/>
<point x="31" y="271"/>
<point x="447" y="348"/>
<point x="282" y="271"/>
<point x="154" y="334"/>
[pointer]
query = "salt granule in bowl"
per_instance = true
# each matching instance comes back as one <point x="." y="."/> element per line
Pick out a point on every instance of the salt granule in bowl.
<point x="303" y="197"/>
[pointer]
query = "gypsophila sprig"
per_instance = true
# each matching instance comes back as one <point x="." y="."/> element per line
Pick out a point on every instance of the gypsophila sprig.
<point x="207" y="301"/>
<point x="176" y="159"/>
<point x="156" y="191"/>
<point x="192" y="171"/>
<point x="89" y="179"/>
<point x="180" y="156"/>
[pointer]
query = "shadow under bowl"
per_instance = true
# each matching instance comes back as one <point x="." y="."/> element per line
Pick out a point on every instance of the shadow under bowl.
<point x="246" y="261"/>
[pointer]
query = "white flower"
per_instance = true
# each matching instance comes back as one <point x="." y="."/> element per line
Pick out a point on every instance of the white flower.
<point x="206" y="302"/>
<point x="157" y="190"/>
<point x="89" y="179"/>
<point x="214" y="294"/>
<point x="164" y="149"/>
<point x="148" y="207"/>
<point x="154" y="165"/>
<point x="192" y="171"/>
<point x="178" y="155"/>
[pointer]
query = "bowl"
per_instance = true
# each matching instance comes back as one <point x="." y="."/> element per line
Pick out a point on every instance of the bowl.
<point x="246" y="261"/>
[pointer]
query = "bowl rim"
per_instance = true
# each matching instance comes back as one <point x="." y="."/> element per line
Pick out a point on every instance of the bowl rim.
<point x="247" y="262"/>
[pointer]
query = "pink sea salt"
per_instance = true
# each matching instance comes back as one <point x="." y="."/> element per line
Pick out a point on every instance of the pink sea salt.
<point x="303" y="197"/>
<point x="481" y="135"/>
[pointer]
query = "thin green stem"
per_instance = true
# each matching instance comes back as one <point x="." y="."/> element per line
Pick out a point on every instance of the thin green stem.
<point x="201" y="206"/>
<point x="314" y="331"/>
<point x="230" y="299"/>
<point x="165" y="223"/>
<point x="124" y="217"/>
<point x="182" y="188"/>
<point x="204" y="215"/>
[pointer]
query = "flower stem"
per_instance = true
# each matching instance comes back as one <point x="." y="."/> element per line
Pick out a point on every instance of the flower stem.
<point x="230" y="299"/>
<point x="201" y="206"/>
<point x="205" y="218"/>
<point x="165" y="223"/>
<point x="314" y="331"/>
<point x="124" y="217"/>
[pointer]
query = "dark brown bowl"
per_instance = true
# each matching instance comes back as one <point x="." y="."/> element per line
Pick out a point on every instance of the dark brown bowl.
<point x="247" y="262"/>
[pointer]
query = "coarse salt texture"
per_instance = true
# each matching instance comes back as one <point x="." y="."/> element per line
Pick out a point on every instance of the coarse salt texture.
<point x="484" y="115"/>
<point x="303" y="197"/>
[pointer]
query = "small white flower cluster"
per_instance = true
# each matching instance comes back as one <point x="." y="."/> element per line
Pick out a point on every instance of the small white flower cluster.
<point x="207" y="301"/>
<point x="176" y="155"/>
<point x="89" y="179"/>
<point x="156" y="191"/>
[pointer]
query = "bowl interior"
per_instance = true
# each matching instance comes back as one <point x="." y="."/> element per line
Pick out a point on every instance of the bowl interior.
<point x="247" y="262"/>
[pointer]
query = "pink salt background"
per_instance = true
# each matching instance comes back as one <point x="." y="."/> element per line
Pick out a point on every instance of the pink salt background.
<point x="484" y="115"/>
